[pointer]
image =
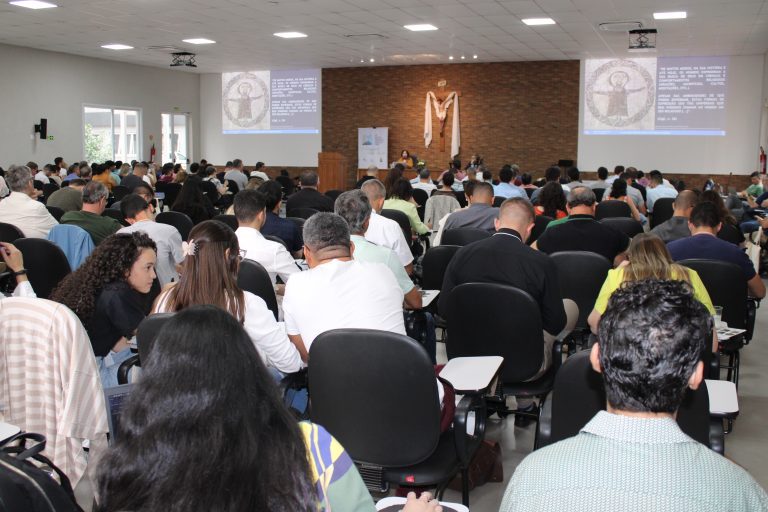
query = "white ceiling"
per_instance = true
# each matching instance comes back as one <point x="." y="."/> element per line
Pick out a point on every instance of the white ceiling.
<point x="490" y="28"/>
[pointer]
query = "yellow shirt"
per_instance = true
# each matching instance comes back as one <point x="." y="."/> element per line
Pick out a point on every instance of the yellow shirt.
<point x="616" y="277"/>
<point x="106" y="179"/>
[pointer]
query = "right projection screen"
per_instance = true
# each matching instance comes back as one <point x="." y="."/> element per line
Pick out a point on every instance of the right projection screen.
<point x="679" y="114"/>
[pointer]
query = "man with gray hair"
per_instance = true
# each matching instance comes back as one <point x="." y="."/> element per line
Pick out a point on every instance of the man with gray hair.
<point x="89" y="217"/>
<point x="308" y="196"/>
<point x="20" y="207"/>
<point x="338" y="291"/>
<point x="425" y="181"/>
<point x="383" y="231"/>
<point x="581" y="232"/>
<point x="370" y="174"/>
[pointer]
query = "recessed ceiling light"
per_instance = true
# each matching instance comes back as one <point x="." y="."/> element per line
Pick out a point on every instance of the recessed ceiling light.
<point x="679" y="15"/>
<point x="539" y="21"/>
<point x="289" y="35"/>
<point x="450" y="57"/>
<point x="474" y="56"/>
<point x="420" y="27"/>
<point x="199" y="40"/>
<point x="371" y="60"/>
<point x="33" y="4"/>
<point x="117" y="47"/>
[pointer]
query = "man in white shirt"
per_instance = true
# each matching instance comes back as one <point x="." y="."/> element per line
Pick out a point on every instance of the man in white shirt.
<point x="38" y="174"/>
<point x="138" y="213"/>
<point x="20" y="209"/>
<point x="657" y="189"/>
<point x="338" y="291"/>
<point x="384" y="231"/>
<point x="251" y="212"/>
<point x="425" y="182"/>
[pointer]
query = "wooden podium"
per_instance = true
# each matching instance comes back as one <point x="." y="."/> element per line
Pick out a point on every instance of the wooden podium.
<point x="332" y="170"/>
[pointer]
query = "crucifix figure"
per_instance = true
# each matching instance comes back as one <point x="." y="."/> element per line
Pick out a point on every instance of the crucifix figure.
<point x="441" y="105"/>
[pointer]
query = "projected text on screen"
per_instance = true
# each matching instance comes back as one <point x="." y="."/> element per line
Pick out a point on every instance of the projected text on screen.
<point x="650" y="96"/>
<point x="276" y="101"/>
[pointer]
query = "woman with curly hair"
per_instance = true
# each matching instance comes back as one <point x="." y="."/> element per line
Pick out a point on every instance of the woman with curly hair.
<point x="551" y="201"/>
<point x="111" y="293"/>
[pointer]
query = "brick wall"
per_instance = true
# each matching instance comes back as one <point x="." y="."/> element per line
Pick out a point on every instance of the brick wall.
<point x="511" y="112"/>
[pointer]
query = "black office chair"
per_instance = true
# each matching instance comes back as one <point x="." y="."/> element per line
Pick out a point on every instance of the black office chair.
<point x="529" y="191"/>
<point x="55" y="212"/>
<point x="540" y="223"/>
<point x="498" y="200"/>
<point x="179" y="220"/>
<point x="578" y="395"/>
<point x="45" y="262"/>
<point x="433" y="267"/>
<point x="38" y="185"/>
<point x="303" y="213"/>
<point x="252" y="277"/>
<point x="727" y="287"/>
<point x="461" y="197"/>
<point x="420" y="196"/>
<point x="402" y="220"/>
<point x="629" y="227"/>
<point x="376" y="392"/>
<point x="171" y="191"/>
<point x="612" y="208"/>
<point x="505" y="321"/>
<point x="279" y="240"/>
<point x="298" y="221"/>
<point x="9" y="233"/>
<point x="286" y="183"/>
<point x="48" y="189"/>
<point x="598" y="193"/>
<point x="333" y="194"/>
<point x="229" y="220"/>
<point x="115" y="214"/>
<point x="463" y="236"/>
<point x="663" y="210"/>
<point x="146" y="336"/>
<point x="119" y="192"/>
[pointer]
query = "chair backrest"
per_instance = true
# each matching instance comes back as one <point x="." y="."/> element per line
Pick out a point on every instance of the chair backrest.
<point x="463" y="236"/>
<point x="402" y="219"/>
<point x="540" y="223"/>
<point x="303" y="213"/>
<point x="9" y="233"/>
<point x="434" y="264"/>
<point x="598" y="193"/>
<point x="333" y="194"/>
<point x="579" y="394"/>
<point x="229" y="220"/>
<point x="46" y="264"/>
<point x="726" y="286"/>
<point x="114" y="214"/>
<point x="76" y="243"/>
<point x="279" y="240"/>
<point x="420" y="196"/>
<point x="253" y="277"/>
<point x="498" y="200"/>
<point x="286" y="183"/>
<point x="119" y="192"/>
<point x="55" y="212"/>
<point x="37" y="184"/>
<point x="180" y="221"/>
<point x="461" y="197"/>
<point x="391" y="415"/>
<point x="662" y="210"/>
<point x="298" y="221"/>
<point x="529" y="191"/>
<point x="49" y="188"/>
<point x="146" y="333"/>
<point x="171" y="193"/>
<point x="581" y="275"/>
<point x="612" y="208"/>
<point x="629" y="227"/>
<point x="489" y="319"/>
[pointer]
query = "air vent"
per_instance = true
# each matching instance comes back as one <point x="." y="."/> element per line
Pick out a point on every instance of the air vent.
<point x="620" y="26"/>
<point x="366" y="37"/>
<point x="165" y="49"/>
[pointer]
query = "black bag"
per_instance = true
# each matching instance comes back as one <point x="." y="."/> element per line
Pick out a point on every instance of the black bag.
<point x="28" y="488"/>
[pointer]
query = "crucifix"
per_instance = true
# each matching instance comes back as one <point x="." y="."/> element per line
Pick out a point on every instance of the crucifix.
<point x="441" y="102"/>
<point x="442" y="99"/>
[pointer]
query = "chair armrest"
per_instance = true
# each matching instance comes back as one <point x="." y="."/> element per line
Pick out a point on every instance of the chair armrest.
<point x="557" y="353"/>
<point x="466" y="443"/>
<point x="752" y="305"/>
<point x="713" y="372"/>
<point x="717" y="436"/>
<point x="544" y="426"/>
<point x="297" y="380"/>
<point x="125" y="366"/>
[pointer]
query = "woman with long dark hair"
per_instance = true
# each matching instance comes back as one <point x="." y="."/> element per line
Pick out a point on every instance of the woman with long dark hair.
<point x="209" y="276"/>
<point x="618" y="192"/>
<point x="551" y="201"/>
<point x="729" y="231"/>
<point x="111" y="293"/>
<point x="192" y="202"/>
<point x="400" y="197"/>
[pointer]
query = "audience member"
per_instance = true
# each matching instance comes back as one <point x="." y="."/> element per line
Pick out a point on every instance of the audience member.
<point x="90" y="217"/>
<point x="657" y="189"/>
<point x="480" y="214"/>
<point x="69" y="199"/>
<point x="677" y="226"/>
<point x="73" y="172"/>
<point x="338" y="291"/>
<point x="38" y="174"/>
<point x="285" y="229"/>
<point x="703" y="243"/>
<point x="21" y="208"/>
<point x="634" y="455"/>
<point x="634" y="193"/>
<point x="551" y="201"/>
<point x="139" y="176"/>
<point x="505" y="188"/>
<point x="574" y="177"/>
<point x="400" y="198"/>
<point x="103" y="176"/>
<point x="14" y="261"/>
<point x="441" y="203"/>
<point x="582" y="232"/>
<point x="209" y="276"/>
<point x="602" y="175"/>
<point x="527" y="181"/>
<point x="383" y="231"/>
<point x="729" y="231"/>
<point x="139" y="214"/>
<point x="619" y="192"/>
<point x="551" y="174"/>
<point x="633" y="182"/>
<point x="617" y="171"/>
<point x="236" y="174"/>
<point x="755" y="189"/>
<point x="425" y="182"/>
<point x="308" y="196"/>
<point x="192" y="202"/>
<point x="251" y="213"/>
<point x="111" y="293"/>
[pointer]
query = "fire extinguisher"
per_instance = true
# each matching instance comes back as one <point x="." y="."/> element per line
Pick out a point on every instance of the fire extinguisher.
<point x="153" y="151"/>
<point x="762" y="160"/>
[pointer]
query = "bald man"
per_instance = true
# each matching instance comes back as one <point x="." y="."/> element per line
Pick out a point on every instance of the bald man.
<point x="505" y="259"/>
<point x="480" y="214"/>
<point x="677" y="226"/>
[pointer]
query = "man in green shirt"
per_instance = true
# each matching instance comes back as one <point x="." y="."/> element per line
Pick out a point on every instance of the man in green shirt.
<point x="755" y="187"/>
<point x="634" y="456"/>
<point x="89" y="217"/>
<point x="70" y="198"/>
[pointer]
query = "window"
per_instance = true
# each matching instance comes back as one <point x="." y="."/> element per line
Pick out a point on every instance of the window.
<point x="111" y="133"/>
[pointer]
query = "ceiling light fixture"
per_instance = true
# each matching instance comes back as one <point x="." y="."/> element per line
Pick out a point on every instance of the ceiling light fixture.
<point x="450" y="57"/>
<point x="474" y="56"/>
<point x="462" y="57"/>
<point x="538" y="21"/>
<point x="421" y="27"/>
<point x="678" y="15"/>
<point x="371" y="60"/>
<point x="199" y="40"/>
<point x="290" y="35"/>
<point x="117" y="47"/>
<point x="33" y="4"/>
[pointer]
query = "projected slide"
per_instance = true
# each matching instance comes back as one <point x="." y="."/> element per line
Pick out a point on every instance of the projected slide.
<point x="650" y="96"/>
<point x="276" y="101"/>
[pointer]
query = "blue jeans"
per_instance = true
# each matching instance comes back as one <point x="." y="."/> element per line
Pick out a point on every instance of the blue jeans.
<point x="109" y="364"/>
<point x="296" y="399"/>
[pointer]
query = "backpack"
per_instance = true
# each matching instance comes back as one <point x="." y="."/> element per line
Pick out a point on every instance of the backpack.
<point x="26" y="487"/>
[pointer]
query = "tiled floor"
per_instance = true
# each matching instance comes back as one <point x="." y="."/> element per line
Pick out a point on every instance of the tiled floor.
<point x="747" y="445"/>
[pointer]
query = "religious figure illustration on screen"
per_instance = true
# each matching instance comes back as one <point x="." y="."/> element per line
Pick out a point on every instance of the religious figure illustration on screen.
<point x="620" y="94"/>
<point x="245" y="101"/>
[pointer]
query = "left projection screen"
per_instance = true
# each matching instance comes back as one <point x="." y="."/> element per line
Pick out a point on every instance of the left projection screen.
<point x="276" y="101"/>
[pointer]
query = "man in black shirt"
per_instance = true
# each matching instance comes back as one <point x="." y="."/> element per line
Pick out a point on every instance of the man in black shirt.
<point x="582" y="232"/>
<point x="131" y="181"/>
<point x="308" y="196"/>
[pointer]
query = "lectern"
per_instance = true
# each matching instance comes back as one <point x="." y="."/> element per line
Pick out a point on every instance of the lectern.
<point x="332" y="169"/>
